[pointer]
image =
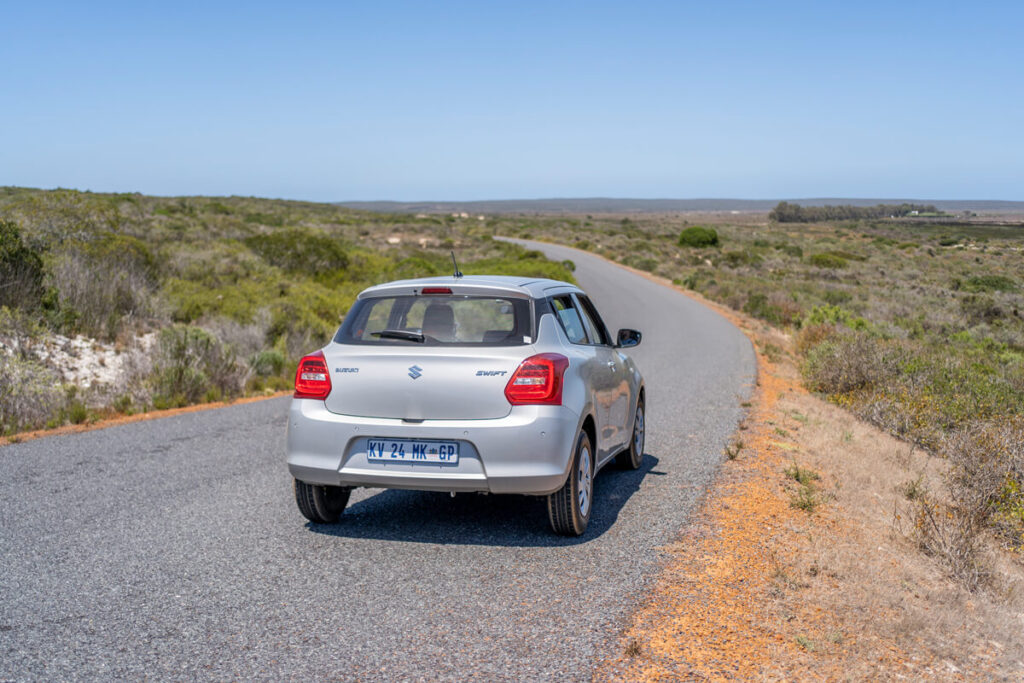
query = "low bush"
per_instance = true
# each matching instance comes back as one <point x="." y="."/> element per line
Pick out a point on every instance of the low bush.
<point x="21" y="269"/>
<point x="301" y="251"/>
<point x="835" y="315"/>
<point x="986" y="461"/>
<point x="850" y="363"/>
<point x="697" y="237"/>
<point x="30" y="394"/>
<point x="776" y="308"/>
<point x="980" y="308"/>
<point x="268" y="363"/>
<point x="735" y="259"/>
<point x="189" y="364"/>
<point x="990" y="283"/>
<point x="827" y="260"/>
<point x="99" y="296"/>
<point x="810" y="335"/>
<point x="793" y="250"/>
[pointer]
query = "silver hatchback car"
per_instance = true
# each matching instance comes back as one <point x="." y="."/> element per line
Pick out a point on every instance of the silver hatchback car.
<point x="477" y="383"/>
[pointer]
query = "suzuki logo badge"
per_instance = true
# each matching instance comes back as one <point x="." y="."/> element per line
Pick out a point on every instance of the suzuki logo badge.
<point x="415" y="371"/>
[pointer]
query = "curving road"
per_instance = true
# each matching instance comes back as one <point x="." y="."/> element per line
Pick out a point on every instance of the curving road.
<point x="172" y="549"/>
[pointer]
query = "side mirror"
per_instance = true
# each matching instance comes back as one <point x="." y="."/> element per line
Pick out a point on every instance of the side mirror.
<point x="628" y="339"/>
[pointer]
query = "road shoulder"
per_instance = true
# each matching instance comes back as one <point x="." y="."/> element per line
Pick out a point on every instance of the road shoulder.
<point x="116" y="420"/>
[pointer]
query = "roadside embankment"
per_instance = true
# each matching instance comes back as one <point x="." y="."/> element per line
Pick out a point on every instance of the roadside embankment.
<point x="803" y="561"/>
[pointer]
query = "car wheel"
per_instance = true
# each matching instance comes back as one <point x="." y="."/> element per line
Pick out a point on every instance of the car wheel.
<point x="321" y="504"/>
<point x="569" y="507"/>
<point x="634" y="455"/>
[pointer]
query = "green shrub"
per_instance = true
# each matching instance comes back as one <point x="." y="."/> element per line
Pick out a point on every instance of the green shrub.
<point x="264" y="219"/>
<point x="21" y="269"/>
<point x="836" y="297"/>
<point x="990" y="283"/>
<point x="648" y="264"/>
<point x="850" y="363"/>
<point x="979" y="308"/>
<point x="417" y="266"/>
<point x="189" y="363"/>
<point x="122" y="252"/>
<point x="835" y="315"/>
<point x="217" y="208"/>
<point x="99" y="292"/>
<point x="697" y="236"/>
<point x="30" y="394"/>
<point x="847" y="255"/>
<point x="827" y="260"/>
<point x="776" y="309"/>
<point x="794" y="250"/>
<point x="301" y="251"/>
<point x="692" y="281"/>
<point x="267" y="363"/>
<point x="77" y="412"/>
<point x="735" y="259"/>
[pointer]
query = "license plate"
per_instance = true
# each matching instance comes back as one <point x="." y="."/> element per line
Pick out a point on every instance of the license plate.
<point x="403" y="450"/>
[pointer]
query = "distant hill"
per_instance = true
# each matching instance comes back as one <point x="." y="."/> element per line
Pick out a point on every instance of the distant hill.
<point x="613" y="205"/>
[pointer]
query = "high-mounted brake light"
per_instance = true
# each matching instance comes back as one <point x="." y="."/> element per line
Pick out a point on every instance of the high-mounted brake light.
<point x="436" y="290"/>
<point x="312" y="379"/>
<point x="537" y="380"/>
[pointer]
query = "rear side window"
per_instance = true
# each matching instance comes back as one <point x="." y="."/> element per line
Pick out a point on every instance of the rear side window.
<point x="438" y="320"/>
<point x="565" y="311"/>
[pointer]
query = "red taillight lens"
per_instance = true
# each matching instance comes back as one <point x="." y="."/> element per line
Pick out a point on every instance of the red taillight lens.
<point x="436" y="290"/>
<point x="538" y="379"/>
<point x="312" y="379"/>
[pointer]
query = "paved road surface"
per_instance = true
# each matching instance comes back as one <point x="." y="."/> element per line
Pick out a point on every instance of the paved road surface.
<point x="172" y="549"/>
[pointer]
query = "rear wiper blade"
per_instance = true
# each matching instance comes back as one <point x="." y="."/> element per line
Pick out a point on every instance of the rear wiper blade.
<point x="399" y="334"/>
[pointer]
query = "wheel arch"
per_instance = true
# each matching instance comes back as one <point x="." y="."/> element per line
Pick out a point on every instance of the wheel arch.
<point x="589" y="425"/>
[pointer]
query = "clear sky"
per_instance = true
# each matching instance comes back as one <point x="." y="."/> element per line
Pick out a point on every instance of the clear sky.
<point x="485" y="100"/>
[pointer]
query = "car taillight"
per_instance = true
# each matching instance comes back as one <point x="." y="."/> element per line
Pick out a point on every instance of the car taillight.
<point x="538" y="379"/>
<point x="312" y="379"/>
<point x="436" y="290"/>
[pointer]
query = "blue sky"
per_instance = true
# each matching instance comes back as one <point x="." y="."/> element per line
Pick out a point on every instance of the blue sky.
<point x="481" y="100"/>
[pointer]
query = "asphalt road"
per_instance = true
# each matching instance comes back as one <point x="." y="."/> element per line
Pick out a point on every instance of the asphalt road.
<point x="172" y="549"/>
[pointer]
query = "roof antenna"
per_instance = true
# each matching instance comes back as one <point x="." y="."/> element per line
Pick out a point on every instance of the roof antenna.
<point x="458" y="273"/>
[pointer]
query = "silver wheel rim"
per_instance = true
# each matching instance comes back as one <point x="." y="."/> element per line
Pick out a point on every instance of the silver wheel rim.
<point x="584" y="481"/>
<point x="638" y="432"/>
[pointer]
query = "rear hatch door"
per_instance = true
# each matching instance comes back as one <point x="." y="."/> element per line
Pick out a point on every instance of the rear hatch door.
<point x="423" y="383"/>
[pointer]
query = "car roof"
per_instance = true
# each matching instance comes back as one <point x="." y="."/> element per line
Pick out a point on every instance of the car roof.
<point x="474" y="284"/>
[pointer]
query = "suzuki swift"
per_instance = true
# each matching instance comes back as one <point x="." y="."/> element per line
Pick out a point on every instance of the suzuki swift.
<point x="461" y="384"/>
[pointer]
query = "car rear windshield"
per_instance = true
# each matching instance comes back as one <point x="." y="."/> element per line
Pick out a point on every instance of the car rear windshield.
<point x="447" y="320"/>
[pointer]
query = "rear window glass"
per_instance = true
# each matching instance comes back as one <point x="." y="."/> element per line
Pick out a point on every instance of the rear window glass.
<point x="438" y="320"/>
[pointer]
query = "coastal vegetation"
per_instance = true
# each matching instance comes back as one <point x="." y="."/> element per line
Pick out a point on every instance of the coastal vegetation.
<point x="201" y="298"/>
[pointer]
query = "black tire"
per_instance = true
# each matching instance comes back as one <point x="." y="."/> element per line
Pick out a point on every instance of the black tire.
<point x="321" y="504"/>
<point x="634" y="455"/>
<point x="569" y="507"/>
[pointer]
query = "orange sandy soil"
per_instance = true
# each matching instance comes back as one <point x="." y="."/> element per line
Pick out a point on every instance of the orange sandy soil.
<point x="126" y="419"/>
<point x="756" y="588"/>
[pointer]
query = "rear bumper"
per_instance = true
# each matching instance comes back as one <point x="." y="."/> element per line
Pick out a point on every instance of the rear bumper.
<point x="526" y="452"/>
